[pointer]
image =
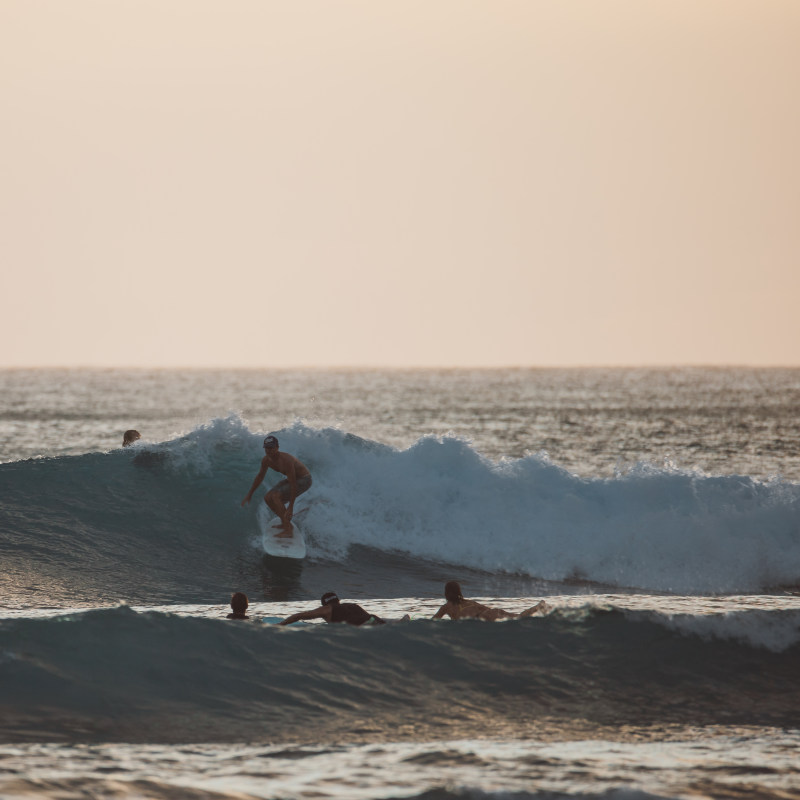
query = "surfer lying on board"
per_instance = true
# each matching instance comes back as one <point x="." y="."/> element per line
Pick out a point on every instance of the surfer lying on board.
<point x="297" y="481"/>
<point x="457" y="607"/>
<point x="332" y="610"/>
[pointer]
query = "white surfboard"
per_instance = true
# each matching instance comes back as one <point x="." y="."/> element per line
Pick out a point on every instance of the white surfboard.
<point x="293" y="546"/>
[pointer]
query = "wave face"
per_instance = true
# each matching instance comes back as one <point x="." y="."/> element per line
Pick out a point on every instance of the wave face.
<point x="115" y="674"/>
<point x="163" y="523"/>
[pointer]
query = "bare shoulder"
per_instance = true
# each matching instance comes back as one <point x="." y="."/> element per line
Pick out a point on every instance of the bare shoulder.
<point x="442" y="610"/>
<point x="323" y="612"/>
<point x="453" y="610"/>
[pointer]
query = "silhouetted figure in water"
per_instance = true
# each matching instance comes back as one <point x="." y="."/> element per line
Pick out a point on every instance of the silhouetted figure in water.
<point x="239" y="603"/>
<point x="143" y="458"/>
<point x="457" y="607"/>
<point x="129" y="437"/>
<point x="332" y="610"/>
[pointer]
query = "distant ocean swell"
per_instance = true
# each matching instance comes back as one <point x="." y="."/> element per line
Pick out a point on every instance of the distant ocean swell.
<point x="118" y="675"/>
<point x="163" y="522"/>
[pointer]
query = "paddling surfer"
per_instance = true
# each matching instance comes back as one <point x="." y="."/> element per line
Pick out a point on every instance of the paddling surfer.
<point x="297" y="481"/>
<point x="332" y="610"/>
<point x="458" y="607"/>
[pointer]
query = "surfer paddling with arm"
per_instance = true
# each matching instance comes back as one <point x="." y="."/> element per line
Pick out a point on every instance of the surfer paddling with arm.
<point x="332" y="610"/>
<point x="297" y="481"/>
<point x="457" y="607"/>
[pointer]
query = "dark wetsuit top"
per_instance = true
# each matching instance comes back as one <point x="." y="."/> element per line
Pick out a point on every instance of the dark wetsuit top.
<point x="353" y="614"/>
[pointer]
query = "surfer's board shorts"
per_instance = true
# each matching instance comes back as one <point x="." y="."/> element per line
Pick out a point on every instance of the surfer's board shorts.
<point x="285" y="490"/>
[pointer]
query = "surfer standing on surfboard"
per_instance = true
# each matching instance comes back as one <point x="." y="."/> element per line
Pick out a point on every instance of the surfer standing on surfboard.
<point x="297" y="481"/>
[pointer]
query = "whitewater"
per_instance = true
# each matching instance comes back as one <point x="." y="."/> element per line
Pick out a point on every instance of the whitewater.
<point x="173" y="510"/>
<point x="657" y="512"/>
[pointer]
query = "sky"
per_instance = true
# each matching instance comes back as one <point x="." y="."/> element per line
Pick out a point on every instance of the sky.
<point x="403" y="183"/>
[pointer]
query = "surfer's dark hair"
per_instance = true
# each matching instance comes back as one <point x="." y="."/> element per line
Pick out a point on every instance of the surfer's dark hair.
<point x="239" y="602"/>
<point x="129" y="437"/>
<point x="452" y="592"/>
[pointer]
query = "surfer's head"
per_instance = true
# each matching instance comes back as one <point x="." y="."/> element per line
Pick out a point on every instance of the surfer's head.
<point x="452" y="592"/>
<point x="239" y="602"/>
<point x="129" y="437"/>
<point x="271" y="442"/>
<point x="329" y="599"/>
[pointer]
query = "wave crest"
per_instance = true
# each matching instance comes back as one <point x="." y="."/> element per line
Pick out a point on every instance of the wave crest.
<point x="170" y="512"/>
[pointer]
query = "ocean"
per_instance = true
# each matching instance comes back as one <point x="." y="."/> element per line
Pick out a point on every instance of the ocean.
<point x="657" y="511"/>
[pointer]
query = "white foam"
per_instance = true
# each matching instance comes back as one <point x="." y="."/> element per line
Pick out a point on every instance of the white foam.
<point x="771" y="630"/>
<point x="654" y="527"/>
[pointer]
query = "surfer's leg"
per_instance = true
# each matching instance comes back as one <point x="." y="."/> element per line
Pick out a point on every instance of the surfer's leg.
<point x="540" y="606"/>
<point x="273" y="500"/>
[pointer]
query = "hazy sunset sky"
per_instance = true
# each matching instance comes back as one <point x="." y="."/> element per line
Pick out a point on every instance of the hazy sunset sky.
<point x="399" y="183"/>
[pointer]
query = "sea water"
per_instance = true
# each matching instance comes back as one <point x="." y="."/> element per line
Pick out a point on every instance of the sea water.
<point x="657" y="512"/>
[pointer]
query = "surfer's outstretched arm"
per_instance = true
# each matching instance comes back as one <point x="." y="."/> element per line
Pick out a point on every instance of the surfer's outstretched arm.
<point x="256" y="482"/>
<point x="323" y="611"/>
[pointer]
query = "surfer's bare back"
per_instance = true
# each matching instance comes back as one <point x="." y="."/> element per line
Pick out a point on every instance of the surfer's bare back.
<point x="297" y="481"/>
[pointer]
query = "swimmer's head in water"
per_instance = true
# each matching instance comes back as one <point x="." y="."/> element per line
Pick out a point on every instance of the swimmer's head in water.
<point x="239" y="603"/>
<point x="129" y="437"/>
<point x="452" y="592"/>
<point x="271" y="442"/>
<point x="329" y="598"/>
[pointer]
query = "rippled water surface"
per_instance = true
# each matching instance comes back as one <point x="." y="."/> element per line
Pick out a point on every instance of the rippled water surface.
<point x="591" y="421"/>
<point x="678" y="763"/>
<point x="661" y="670"/>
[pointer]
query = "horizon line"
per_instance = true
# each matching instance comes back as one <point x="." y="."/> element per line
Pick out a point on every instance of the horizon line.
<point x="392" y="367"/>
